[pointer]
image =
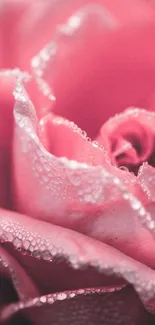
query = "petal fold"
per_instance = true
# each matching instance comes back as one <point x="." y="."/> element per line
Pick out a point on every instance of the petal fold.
<point x="49" y="244"/>
<point x="107" y="306"/>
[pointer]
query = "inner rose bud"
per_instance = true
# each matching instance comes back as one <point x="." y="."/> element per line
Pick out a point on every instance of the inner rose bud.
<point x="128" y="139"/>
<point x="131" y="141"/>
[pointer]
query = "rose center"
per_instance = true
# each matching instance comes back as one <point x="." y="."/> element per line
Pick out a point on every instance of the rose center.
<point x="129" y="144"/>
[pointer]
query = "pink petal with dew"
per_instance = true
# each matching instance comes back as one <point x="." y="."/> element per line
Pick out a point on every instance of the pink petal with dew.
<point x="134" y="126"/>
<point x="146" y="178"/>
<point x="77" y="195"/>
<point x="64" y="173"/>
<point x="63" y="138"/>
<point x="110" y="306"/>
<point x="7" y="84"/>
<point x="46" y="242"/>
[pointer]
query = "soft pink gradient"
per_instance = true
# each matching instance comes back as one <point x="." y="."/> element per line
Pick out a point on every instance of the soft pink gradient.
<point x="77" y="231"/>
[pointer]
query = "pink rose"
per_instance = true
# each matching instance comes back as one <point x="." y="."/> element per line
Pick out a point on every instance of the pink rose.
<point x="77" y="207"/>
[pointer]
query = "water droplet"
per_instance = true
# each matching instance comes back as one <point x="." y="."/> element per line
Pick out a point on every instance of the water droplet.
<point x="43" y="299"/>
<point x="126" y="196"/>
<point x="142" y="212"/>
<point x="38" y="166"/>
<point x="123" y="168"/>
<point x="80" y="291"/>
<point x="33" y="242"/>
<point x="83" y="133"/>
<point x="61" y="296"/>
<point x="50" y="300"/>
<point x="74" y="177"/>
<point x="36" y="253"/>
<point x="47" y="167"/>
<point x="31" y="248"/>
<point x="9" y="237"/>
<point x="136" y="205"/>
<point x="95" y="144"/>
<point x="47" y="256"/>
<point x="26" y="244"/>
<point x="54" y="251"/>
<point x="17" y="243"/>
<point x="151" y="225"/>
<point x="88" y="198"/>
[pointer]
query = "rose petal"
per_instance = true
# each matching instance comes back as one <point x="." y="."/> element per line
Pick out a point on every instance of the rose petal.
<point x="7" y="84"/>
<point x="133" y="127"/>
<point x="76" y="195"/>
<point x="118" y="226"/>
<point x="89" y="88"/>
<point x="146" y="178"/>
<point x="46" y="241"/>
<point x="64" y="139"/>
<point x="98" y="306"/>
<point x="58" y="175"/>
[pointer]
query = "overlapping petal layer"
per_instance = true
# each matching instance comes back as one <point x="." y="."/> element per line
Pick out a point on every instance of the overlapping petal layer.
<point x="79" y="205"/>
<point x="48" y="242"/>
<point x="77" y="195"/>
<point x="110" y="306"/>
